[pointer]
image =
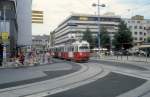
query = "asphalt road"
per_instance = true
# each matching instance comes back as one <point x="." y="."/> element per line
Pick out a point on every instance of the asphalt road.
<point x="111" y="85"/>
<point x="94" y="79"/>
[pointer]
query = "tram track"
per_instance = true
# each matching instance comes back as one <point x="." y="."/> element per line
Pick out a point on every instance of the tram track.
<point x="122" y="71"/>
<point x="125" y="69"/>
<point x="67" y="87"/>
<point x="85" y="75"/>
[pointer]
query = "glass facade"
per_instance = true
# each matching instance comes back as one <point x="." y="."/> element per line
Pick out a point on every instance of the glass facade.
<point x="8" y="25"/>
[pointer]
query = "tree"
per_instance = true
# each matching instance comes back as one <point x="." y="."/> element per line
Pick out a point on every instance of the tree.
<point x="104" y="38"/>
<point x="123" y="39"/>
<point x="148" y="39"/>
<point x="87" y="35"/>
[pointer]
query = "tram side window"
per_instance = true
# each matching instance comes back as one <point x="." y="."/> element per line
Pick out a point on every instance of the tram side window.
<point x="76" y="48"/>
<point x="72" y="48"/>
<point x="60" y="49"/>
<point x="69" y="49"/>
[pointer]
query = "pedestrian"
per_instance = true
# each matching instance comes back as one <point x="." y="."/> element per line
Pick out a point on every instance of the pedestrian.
<point x="21" y="58"/>
<point x="47" y="57"/>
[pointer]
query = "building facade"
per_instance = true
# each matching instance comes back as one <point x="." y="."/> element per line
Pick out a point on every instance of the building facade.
<point x="40" y="43"/>
<point x="51" y="39"/>
<point x="139" y="27"/>
<point x="24" y="18"/>
<point x="15" y="26"/>
<point x="73" y="27"/>
<point x="8" y="26"/>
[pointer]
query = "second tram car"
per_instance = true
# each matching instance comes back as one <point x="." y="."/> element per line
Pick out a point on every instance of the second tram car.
<point x="77" y="51"/>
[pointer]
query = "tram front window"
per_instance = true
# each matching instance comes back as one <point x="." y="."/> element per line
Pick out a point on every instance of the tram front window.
<point x="84" y="48"/>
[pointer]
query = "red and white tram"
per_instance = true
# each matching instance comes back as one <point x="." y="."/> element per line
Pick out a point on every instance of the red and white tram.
<point x="78" y="51"/>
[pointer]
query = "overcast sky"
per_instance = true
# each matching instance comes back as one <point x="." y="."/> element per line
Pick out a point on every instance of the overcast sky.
<point x="55" y="11"/>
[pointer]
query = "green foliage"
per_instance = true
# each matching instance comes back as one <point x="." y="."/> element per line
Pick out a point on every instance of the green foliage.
<point x="123" y="39"/>
<point x="148" y="39"/>
<point x="104" y="38"/>
<point x="87" y="35"/>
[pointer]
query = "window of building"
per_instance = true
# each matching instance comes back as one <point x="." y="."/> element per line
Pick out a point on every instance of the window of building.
<point x="135" y="27"/>
<point x="128" y="21"/>
<point x="135" y="33"/>
<point x="141" y="33"/>
<point x="133" y="21"/>
<point x="145" y="39"/>
<point x="144" y="34"/>
<point x="135" y="38"/>
<point x="130" y="27"/>
<point x="138" y="21"/>
<point x="140" y="27"/>
<point x="141" y="38"/>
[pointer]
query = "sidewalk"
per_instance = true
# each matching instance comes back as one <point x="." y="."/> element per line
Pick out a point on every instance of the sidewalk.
<point x="125" y="59"/>
<point x="29" y="62"/>
<point x="137" y="60"/>
<point x="128" y="58"/>
<point x="15" y="77"/>
<point x="16" y="65"/>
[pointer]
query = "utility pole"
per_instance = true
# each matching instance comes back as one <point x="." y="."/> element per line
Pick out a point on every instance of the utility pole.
<point x="99" y="29"/>
<point x="4" y="44"/>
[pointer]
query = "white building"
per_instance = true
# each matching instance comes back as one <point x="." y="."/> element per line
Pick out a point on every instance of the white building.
<point x="72" y="28"/>
<point x="40" y="43"/>
<point x="139" y="27"/>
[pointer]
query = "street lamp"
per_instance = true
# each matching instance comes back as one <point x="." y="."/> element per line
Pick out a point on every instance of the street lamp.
<point x="98" y="5"/>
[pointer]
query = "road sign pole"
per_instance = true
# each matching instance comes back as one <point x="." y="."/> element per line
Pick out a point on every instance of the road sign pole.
<point x="4" y="44"/>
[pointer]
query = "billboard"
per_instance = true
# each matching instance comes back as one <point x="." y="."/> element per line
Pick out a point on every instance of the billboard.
<point x="37" y="17"/>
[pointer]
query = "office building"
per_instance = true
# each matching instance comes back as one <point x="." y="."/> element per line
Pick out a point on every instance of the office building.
<point x="71" y="29"/>
<point x="8" y="26"/>
<point x="139" y="27"/>
<point x="15" y="26"/>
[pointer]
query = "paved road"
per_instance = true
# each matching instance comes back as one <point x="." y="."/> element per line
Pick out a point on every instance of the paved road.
<point x="69" y="79"/>
<point x="110" y="86"/>
<point x="87" y="73"/>
<point x="124" y="80"/>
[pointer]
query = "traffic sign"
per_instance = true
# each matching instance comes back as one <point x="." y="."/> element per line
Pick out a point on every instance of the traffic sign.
<point x="5" y="36"/>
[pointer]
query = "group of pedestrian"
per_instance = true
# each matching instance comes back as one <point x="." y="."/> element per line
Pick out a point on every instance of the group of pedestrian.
<point x="33" y="58"/>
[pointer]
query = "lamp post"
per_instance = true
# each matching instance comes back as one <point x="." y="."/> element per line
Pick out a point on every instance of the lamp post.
<point x="98" y="5"/>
